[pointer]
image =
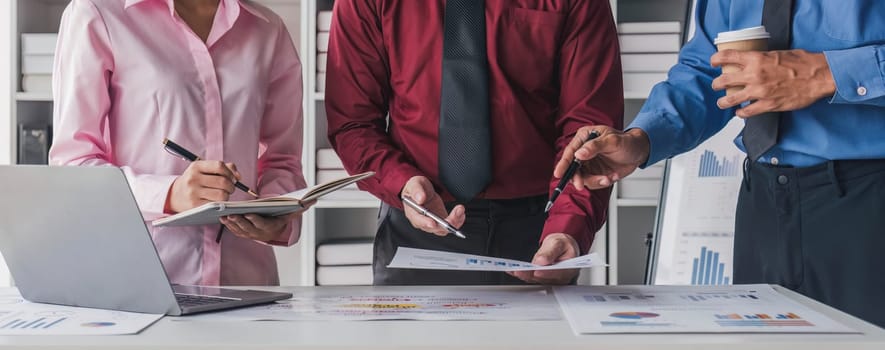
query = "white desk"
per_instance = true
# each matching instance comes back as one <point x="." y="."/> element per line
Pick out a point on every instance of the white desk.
<point x="552" y="335"/>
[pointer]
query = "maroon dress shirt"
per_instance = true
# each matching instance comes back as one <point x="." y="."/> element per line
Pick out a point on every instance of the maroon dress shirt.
<point x="554" y="67"/>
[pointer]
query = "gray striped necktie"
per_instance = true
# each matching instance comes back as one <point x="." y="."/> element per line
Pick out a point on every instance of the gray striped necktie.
<point x="465" y="154"/>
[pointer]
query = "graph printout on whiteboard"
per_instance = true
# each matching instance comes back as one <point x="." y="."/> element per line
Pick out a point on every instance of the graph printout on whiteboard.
<point x="696" y="228"/>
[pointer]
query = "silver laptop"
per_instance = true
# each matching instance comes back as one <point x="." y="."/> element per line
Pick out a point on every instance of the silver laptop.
<point x="74" y="236"/>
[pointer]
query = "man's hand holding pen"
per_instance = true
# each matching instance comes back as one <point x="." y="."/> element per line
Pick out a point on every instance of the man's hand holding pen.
<point x="611" y="156"/>
<point x="420" y="189"/>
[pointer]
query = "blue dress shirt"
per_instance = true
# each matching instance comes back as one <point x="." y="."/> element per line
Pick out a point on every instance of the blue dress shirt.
<point x="681" y="112"/>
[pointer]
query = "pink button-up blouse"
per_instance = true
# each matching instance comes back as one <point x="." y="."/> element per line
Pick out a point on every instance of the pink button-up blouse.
<point x="129" y="73"/>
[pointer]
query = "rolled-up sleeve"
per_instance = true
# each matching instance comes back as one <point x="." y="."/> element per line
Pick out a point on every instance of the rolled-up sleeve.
<point x="82" y="71"/>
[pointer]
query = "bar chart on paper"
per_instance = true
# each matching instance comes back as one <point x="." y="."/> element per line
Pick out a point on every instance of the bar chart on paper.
<point x="713" y="165"/>
<point x="707" y="269"/>
<point x="696" y="231"/>
<point x="705" y="258"/>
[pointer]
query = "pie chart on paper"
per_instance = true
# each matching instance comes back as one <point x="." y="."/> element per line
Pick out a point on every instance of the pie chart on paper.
<point x="634" y="315"/>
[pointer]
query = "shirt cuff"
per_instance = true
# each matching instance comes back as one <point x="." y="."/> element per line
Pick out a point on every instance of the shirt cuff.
<point x="395" y="179"/>
<point x="150" y="192"/>
<point x="572" y="225"/>
<point x="655" y="126"/>
<point x="858" y="73"/>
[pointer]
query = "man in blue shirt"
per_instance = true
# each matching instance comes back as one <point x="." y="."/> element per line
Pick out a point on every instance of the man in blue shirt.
<point x="811" y="212"/>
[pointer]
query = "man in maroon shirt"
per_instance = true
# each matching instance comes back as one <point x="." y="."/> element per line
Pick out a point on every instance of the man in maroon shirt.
<point x="513" y="81"/>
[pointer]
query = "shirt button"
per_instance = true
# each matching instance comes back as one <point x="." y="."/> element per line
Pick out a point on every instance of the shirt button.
<point x="783" y="179"/>
<point x="775" y="161"/>
<point x="862" y="91"/>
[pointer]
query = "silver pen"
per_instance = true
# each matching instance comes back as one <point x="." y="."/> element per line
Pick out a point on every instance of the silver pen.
<point x="427" y="213"/>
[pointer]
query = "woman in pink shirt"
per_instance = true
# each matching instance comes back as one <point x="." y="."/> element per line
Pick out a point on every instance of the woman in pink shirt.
<point x="219" y="77"/>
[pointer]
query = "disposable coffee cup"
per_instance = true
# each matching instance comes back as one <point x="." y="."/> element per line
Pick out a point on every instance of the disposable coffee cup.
<point x="749" y="39"/>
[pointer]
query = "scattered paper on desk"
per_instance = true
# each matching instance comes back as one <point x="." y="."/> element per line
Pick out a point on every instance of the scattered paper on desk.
<point x="411" y="258"/>
<point x="401" y="303"/>
<point x="681" y="309"/>
<point x="21" y="317"/>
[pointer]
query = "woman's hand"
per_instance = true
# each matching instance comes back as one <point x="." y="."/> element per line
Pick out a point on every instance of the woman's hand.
<point x="261" y="228"/>
<point x="202" y="182"/>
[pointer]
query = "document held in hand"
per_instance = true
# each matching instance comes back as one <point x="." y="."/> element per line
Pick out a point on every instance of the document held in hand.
<point x="412" y="258"/>
<point x="273" y="206"/>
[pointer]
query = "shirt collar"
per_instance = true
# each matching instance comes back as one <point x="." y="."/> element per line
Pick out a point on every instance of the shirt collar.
<point x="247" y="5"/>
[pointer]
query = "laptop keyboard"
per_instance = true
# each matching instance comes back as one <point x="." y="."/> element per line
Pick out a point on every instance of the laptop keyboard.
<point x="199" y="300"/>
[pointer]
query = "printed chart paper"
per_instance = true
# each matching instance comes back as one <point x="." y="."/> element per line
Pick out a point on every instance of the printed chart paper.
<point x="677" y="309"/>
<point x="401" y="303"/>
<point x="20" y="317"/>
<point x="411" y="258"/>
<point x="696" y="235"/>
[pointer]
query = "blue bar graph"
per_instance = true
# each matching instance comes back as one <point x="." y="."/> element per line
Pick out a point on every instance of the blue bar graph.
<point x="707" y="270"/>
<point x="714" y="166"/>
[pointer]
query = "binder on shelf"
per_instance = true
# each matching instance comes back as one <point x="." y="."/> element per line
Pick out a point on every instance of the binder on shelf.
<point x="321" y="82"/>
<point x="327" y="159"/>
<point x="345" y="252"/>
<point x="37" y="83"/>
<point x="649" y="43"/>
<point x="642" y="83"/>
<point x="39" y="43"/>
<point x="322" y="58"/>
<point x="324" y="21"/>
<point x="630" y="188"/>
<point x="653" y="172"/>
<point x="33" y="144"/>
<point x="37" y="64"/>
<point x="356" y="275"/>
<point x="274" y="206"/>
<point x="649" y="27"/>
<point x="648" y="62"/>
<point x="323" y="42"/>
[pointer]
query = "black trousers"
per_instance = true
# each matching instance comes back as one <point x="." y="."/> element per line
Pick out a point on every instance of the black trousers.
<point x="501" y="228"/>
<point x="818" y="230"/>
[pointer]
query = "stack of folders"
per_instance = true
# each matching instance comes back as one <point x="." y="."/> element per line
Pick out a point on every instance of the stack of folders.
<point x="642" y="183"/>
<point x="37" y="56"/>
<point x="345" y="262"/>
<point x="648" y="51"/>
<point x="329" y="168"/>
<point x="324" y="24"/>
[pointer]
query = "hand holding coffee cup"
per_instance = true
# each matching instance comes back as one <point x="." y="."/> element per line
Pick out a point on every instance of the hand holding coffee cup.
<point x="749" y="39"/>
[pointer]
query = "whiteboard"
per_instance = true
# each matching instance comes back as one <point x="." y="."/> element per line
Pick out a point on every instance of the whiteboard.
<point x="694" y="232"/>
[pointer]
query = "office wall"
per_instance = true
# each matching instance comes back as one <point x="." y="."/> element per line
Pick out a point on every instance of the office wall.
<point x="6" y="82"/>
<point x="5" y="101"/>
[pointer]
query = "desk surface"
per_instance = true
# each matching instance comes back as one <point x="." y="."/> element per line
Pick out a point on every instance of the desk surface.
<point x="461" y="335"/>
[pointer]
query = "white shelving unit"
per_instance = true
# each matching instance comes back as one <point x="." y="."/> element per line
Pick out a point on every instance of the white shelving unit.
<point x="630" y="219"/>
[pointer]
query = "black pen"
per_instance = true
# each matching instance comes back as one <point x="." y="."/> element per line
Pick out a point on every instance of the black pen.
<point x="568" y="175"/>
<point x="177" y="150"/>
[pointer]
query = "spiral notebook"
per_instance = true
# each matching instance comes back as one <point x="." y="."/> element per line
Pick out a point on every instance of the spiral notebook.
<point x="209" y="213"/>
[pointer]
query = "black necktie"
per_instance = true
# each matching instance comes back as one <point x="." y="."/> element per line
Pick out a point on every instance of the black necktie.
<point x="465" y="154"/>
<point x="761" y="131"/>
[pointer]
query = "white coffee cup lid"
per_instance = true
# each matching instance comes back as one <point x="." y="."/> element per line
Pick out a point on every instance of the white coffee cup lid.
<point x="743" y="34"/>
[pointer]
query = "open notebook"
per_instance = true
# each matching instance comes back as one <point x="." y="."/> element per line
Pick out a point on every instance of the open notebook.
<point x="273" y="206"/>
